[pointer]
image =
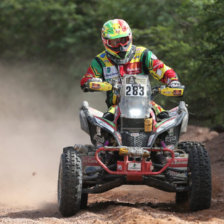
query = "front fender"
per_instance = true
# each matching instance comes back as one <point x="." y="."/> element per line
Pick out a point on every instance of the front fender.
<point x="179" y="116"/>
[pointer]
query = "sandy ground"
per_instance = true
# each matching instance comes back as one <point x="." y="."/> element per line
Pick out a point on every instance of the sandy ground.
<point x="36" y="125"/>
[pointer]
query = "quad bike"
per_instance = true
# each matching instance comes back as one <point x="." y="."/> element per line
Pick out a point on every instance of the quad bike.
<point x="125" y="151"/>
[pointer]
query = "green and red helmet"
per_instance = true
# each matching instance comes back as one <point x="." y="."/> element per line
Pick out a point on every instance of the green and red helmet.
<point x="117" y="38"/>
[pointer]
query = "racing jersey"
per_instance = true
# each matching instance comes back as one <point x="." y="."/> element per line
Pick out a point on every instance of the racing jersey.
<point x="142" y="62"/>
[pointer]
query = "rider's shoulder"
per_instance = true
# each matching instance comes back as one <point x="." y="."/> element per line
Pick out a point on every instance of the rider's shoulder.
<point x="143" y="50"/>
<point x="102" y="59"/>
<point x="140" y="48"/>
<point x="101" y="56"/>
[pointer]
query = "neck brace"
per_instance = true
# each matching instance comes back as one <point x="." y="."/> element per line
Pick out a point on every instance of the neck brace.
<point x="119" y="61"/>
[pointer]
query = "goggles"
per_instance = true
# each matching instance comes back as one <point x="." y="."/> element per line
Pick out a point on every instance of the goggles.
<point x="118" y="41"/>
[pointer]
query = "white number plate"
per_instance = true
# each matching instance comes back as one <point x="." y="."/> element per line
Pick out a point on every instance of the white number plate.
<point x="135" y="90"/>
<point x="134" y="166"/>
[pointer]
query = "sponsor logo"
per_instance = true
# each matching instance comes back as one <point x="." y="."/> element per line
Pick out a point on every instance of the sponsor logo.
<point x="134" y="166"/>
<point x="89" y="161"/>
<point x="95" y="86"/>
<point x="177" y="92"/>
<point x="110" y="72"/>
<point x="102" y="55"/>
<point x="133" y="68"/>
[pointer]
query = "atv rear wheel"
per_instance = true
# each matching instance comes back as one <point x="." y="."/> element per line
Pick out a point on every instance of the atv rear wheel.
<point x="199" y="177"/>
<point x="69" y="182"/>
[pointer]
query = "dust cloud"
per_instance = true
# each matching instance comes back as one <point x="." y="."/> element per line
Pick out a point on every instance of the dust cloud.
<point x="39" y="116"/>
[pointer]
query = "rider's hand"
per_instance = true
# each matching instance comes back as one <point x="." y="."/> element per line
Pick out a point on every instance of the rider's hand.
<point x="174" y="84"/>
<point x="85" y="87"/>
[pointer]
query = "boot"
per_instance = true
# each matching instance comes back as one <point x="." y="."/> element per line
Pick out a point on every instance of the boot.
<point x="109" y="116"/>
<point x="163" y="115"/>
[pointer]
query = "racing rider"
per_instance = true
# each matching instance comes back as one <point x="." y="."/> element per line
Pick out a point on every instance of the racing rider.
<point x="121" y="58"/>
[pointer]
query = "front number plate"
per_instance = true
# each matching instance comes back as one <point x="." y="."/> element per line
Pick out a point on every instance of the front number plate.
<point x="134" y="166"/>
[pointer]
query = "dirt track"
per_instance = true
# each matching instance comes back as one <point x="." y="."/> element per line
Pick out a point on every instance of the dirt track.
<point x="32" y="136"/>
<point x="126" y="204"/>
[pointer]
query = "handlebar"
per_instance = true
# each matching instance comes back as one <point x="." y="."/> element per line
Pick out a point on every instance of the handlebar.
<point x="163" y="90"/>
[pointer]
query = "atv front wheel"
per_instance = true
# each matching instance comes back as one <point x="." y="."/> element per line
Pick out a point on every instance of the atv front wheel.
<point x="69" y="182"/>
<point x="199" y="177"/>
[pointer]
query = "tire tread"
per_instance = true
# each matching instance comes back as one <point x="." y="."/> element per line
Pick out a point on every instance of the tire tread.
<point x="199" y="165"/>
<point x="71" y="183"/>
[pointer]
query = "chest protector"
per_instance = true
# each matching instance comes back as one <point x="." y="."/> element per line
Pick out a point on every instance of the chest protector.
<point x="113" y="71"/>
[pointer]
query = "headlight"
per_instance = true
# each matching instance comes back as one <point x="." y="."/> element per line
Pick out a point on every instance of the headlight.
<point x="135" y="112"/>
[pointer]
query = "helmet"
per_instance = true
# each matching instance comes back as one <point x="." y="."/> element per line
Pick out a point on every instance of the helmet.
<point x="117" y="38"/>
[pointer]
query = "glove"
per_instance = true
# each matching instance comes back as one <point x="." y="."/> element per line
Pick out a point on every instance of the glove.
<point x="174" y="84"/>
<point x="85" y="87"/>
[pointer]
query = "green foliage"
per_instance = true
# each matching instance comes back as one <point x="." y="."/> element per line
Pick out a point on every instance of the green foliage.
<point x="208" y="76"/>
<point x="40" y="28"/>
<point x="187" y="35"/>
